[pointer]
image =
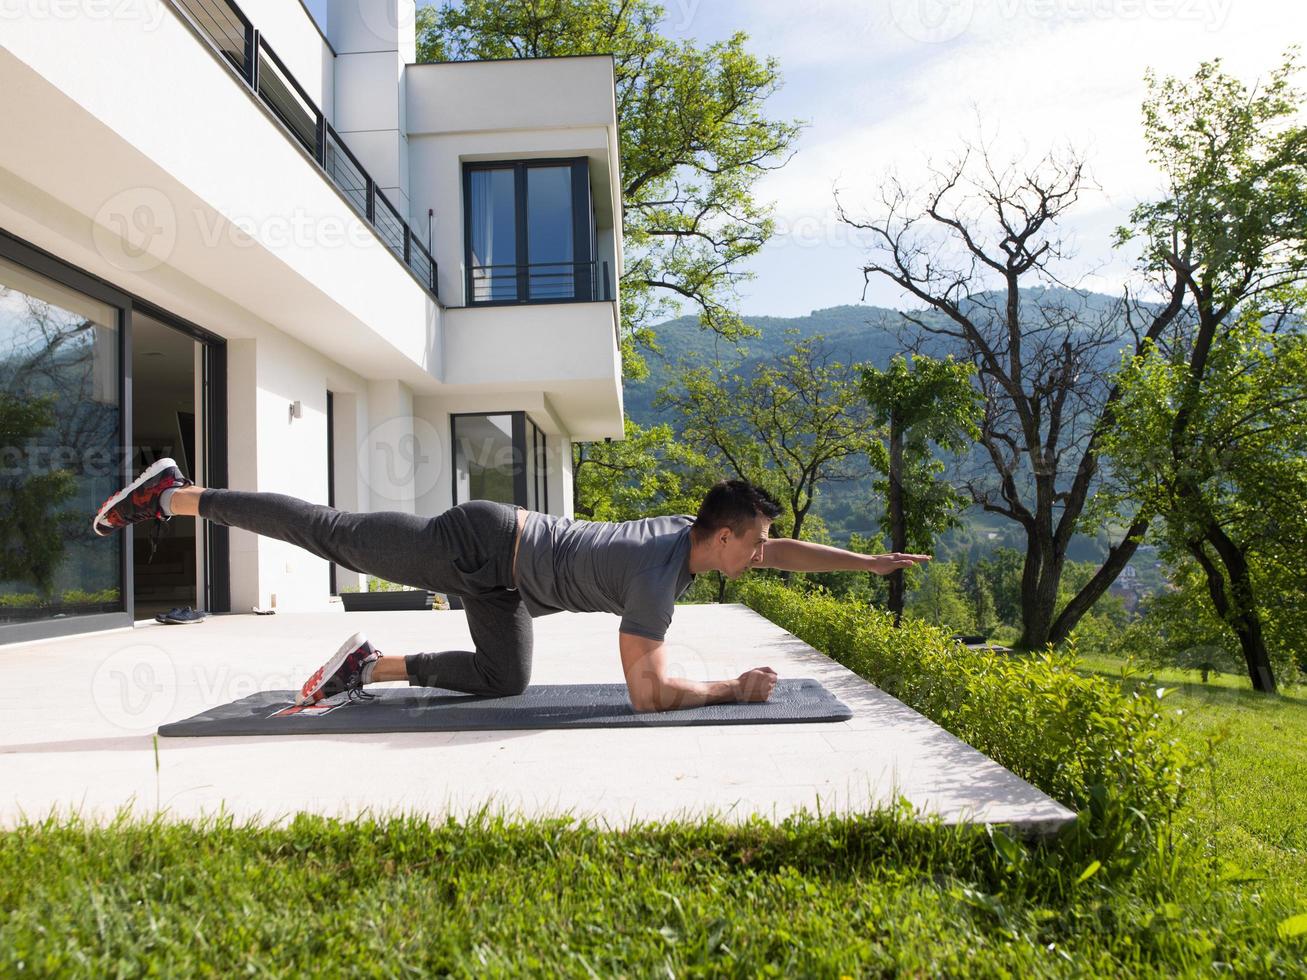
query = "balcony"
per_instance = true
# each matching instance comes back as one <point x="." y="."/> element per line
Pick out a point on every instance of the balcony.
<point x="540" y="282"/>
<point x="234" y="36"/>
<point x="528" y="148"/>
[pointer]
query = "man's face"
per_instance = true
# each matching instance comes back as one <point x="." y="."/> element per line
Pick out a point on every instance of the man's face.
<point x="741" y="552"/>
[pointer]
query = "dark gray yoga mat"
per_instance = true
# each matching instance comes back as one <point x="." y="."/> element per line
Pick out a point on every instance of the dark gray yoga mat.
<point x="435" y="709"/>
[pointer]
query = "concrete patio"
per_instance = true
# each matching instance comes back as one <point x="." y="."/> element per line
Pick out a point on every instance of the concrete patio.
<point x="77" y="715"/>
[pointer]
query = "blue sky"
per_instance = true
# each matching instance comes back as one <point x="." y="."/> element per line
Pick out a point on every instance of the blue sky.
<point x="892" y="86"/>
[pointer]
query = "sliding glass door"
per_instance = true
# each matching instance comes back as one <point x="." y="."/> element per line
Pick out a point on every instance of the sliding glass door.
<point x="61" y="414"/>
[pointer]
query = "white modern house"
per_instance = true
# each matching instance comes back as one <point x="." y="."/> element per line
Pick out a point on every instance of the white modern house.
<point x="296" y="261"/>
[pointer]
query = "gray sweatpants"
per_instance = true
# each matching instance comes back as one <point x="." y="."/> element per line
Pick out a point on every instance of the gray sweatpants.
<point x="466" y="551"/>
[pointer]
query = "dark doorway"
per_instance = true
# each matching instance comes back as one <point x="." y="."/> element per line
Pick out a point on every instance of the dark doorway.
<point x="165" y="366"/>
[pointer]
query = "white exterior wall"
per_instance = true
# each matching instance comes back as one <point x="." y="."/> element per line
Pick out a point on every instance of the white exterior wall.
<point x="234" y="207"/>
<point x="271" y="451"/>
<point x="434" y="479"/>
<point x="510" y="110"/>
<point x="297" y="41"/>
<point x="242" y="245"/>
<point x="546" y="107"/>
<point x="374" y="40"/>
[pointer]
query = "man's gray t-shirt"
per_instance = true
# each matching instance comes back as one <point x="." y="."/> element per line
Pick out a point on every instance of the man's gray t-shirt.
<point x="637" y="569"/>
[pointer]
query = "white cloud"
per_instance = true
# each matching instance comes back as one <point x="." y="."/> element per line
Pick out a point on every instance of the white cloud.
<point x="1038" y="74"/>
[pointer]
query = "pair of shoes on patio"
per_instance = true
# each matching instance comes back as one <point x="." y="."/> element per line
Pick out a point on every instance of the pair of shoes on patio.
<point x="180" y="615"/>
<point x="343" y="672"/>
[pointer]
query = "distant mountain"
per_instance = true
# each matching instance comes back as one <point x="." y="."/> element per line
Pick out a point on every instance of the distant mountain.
<point x="853" y="333"/>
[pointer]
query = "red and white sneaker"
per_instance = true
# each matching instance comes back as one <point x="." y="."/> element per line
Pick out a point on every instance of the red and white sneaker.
<point x="139" y="500"/>
<point x="343" y="672"/>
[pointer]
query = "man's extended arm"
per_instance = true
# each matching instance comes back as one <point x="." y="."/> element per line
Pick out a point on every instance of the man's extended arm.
<point x="808" y="556"/>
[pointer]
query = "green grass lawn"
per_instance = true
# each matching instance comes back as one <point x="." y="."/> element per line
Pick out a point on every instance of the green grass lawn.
<point x="1251" y="809"/>
<point x="879" y="894"/>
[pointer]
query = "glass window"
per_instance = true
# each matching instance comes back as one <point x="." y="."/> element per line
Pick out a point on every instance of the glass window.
<point x="526" y="241"/>
<point x="60" y="414"/>
<point x="493" y="214"/>
<point x="484" y="461"/>
<point x="532" y="468"/>
<point x="549" y="233"/>
<point x="538" y="471"/>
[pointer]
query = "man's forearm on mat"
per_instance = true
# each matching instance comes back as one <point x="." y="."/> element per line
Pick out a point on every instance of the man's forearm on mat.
<point x="680" y="692"/>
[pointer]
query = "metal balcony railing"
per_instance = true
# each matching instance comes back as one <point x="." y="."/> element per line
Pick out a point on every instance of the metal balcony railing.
<point x="235" y="37"/>
<point x="539" y="282"/>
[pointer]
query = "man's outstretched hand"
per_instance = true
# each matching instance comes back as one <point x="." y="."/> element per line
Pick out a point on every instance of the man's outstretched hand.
<point x="756" y="684"/>
<point x="886" y="564"/>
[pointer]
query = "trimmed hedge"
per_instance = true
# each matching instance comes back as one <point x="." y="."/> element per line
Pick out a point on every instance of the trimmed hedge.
<point x="1098" y="749"/>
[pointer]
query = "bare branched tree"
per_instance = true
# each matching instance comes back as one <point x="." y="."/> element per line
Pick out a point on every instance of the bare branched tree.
<point x="967" y="251"/>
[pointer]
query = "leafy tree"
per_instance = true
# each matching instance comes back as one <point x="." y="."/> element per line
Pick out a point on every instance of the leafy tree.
<point x="1000" y="573"/>
<point x="973" y="247"/>
<point x="1179" y="628"/>
<point x="1228" y="480"/>
<point x="790" y="425"/>
<point x="986" y="615"/>
<point x="1193" y="436"/>
<point x="33" y="533"/>
<point x="929" y="402"/>
<point x="694" y="140"/>
<point x="939" y="598"/>
<point x="647" y="473"/>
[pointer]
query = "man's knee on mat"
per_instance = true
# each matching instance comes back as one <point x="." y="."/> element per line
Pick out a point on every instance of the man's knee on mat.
<point x="512" y="683"/>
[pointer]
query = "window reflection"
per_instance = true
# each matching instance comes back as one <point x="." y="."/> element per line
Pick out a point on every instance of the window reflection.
<point x="494" y="235"/>
<point x="549" y="233"/>
<point x="483" y="458"/>
<point x="59" y="416"/>
<point x="491" y="464"/>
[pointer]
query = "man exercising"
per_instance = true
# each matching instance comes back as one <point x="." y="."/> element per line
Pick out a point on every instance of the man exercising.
<point x="509" y="564"/>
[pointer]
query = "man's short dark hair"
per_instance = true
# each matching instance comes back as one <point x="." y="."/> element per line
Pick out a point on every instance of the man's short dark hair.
<point x="734" y="504"/>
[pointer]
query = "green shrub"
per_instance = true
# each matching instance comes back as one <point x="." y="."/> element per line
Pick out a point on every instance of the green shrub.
<point x="83" y="596"/>
<point x="25" y="599"/>
<point x="1107" y="753"/>
<point x="16" y="600"/>
<point x="376" y="584"/>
